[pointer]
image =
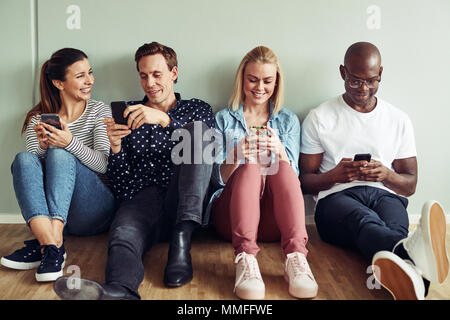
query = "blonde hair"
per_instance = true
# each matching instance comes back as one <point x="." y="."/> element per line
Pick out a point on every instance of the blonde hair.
<point x="259" y="54"/>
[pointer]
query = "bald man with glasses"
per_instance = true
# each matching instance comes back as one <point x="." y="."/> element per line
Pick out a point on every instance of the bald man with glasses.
<point x="358" y="157"/>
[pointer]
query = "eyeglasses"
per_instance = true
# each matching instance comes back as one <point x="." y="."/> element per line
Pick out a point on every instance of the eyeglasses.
<point x="355" y="83"/>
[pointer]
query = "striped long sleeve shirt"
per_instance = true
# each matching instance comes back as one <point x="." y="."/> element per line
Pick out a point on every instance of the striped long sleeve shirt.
<point x="90" y="143"/>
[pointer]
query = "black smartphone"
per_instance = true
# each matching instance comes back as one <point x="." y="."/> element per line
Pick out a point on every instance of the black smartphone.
<point x="117" y="108"/>
<point x="362" y="156"/>
<point x="51" y="119"/>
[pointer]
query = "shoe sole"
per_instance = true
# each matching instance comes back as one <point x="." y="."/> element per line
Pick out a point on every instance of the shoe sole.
<point x="50" y="276"/>
<point x="250" y="294"/>
<point x="301" y="293"/>
<point x="176" y="285"/>
<point x="19" y="265"/>
<point x="438" y="226"/>
<point x="68" y="288"/>
<point x="392" y="277"/>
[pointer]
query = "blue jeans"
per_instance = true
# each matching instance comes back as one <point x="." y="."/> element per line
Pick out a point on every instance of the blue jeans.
<point x="61" y="187"/>
<point x="366" y="218"/>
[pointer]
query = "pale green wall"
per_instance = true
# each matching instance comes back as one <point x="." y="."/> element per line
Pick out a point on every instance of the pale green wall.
<point x="16" y="89"/>
<point x="210" y="37"/>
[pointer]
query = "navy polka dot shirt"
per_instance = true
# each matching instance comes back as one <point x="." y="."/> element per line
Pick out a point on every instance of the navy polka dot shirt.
<point x="145" y="157"/>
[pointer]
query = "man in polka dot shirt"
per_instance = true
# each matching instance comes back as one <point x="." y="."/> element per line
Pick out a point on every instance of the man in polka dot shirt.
<point x="158" y="199"/>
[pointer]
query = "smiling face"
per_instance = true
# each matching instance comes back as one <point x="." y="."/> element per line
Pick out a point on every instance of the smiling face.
<point x="78" y="81"/>
<point x="361" y="73"/>
<point x="156" y="79"/>
<point x="353" y="73"/>
<point x="259" y="82"/>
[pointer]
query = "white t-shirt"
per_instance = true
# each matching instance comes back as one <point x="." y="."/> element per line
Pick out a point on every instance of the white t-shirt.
<point x="339" y="131"/>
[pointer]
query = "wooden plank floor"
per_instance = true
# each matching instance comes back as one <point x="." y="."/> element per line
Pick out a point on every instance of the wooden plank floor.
<point x="340" y="274"/>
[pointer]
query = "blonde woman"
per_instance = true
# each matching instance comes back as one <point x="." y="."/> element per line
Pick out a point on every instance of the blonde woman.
<point x="256" y="199"/>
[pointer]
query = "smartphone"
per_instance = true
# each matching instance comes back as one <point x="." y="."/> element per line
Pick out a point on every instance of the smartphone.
<point x="51" y="119"/>
<point x="117" y="108"/>
<point x="362" y="156"/>
<point x="258" y="130"/>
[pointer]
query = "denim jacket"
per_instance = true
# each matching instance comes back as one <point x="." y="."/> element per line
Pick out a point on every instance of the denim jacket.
<point x="230" y="122"/>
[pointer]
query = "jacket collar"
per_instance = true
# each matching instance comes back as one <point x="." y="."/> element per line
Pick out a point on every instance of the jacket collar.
<point x="239" y="113"/>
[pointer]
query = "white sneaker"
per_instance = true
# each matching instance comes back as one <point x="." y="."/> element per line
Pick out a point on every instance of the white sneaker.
<point x="249" y="284"/>
<point x="299" y="276"/>
<point x="400" y="277"/>
<point x="426" y="243"/>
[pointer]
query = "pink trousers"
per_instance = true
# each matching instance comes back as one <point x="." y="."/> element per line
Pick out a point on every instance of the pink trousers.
<point x="241" y="215"/>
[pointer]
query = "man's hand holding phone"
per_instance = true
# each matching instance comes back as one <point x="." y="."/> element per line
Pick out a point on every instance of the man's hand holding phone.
<point x="375" y="171"/>
<point x="362" y="168"/>
<point x="139" y="114"/>
<point x="371" y="170"/>
<point x="115" y="134"/>
<point x="134" y="114"/>
<point x="347" y="170"/>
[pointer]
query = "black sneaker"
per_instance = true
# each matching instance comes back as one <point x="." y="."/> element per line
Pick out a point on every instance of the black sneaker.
<point x="52" y="263"/>
<point x="26" y="258"/>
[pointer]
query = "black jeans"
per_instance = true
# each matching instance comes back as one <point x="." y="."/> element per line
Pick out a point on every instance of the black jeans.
<point x="151" y="215"/>
<point x="366" y="218"/>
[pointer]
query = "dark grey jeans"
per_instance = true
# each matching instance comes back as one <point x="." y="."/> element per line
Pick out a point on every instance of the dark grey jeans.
<point x="366" y="218"/>
<point x="151" y="215"/>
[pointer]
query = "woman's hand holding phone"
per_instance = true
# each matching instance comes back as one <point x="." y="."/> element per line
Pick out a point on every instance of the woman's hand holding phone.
<point x="246" y="149"/>
<point x="41" y="135"/>
<point x="252" y="147"/>
<point x="272" y="143"/>
<point x="55" y="137"/>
